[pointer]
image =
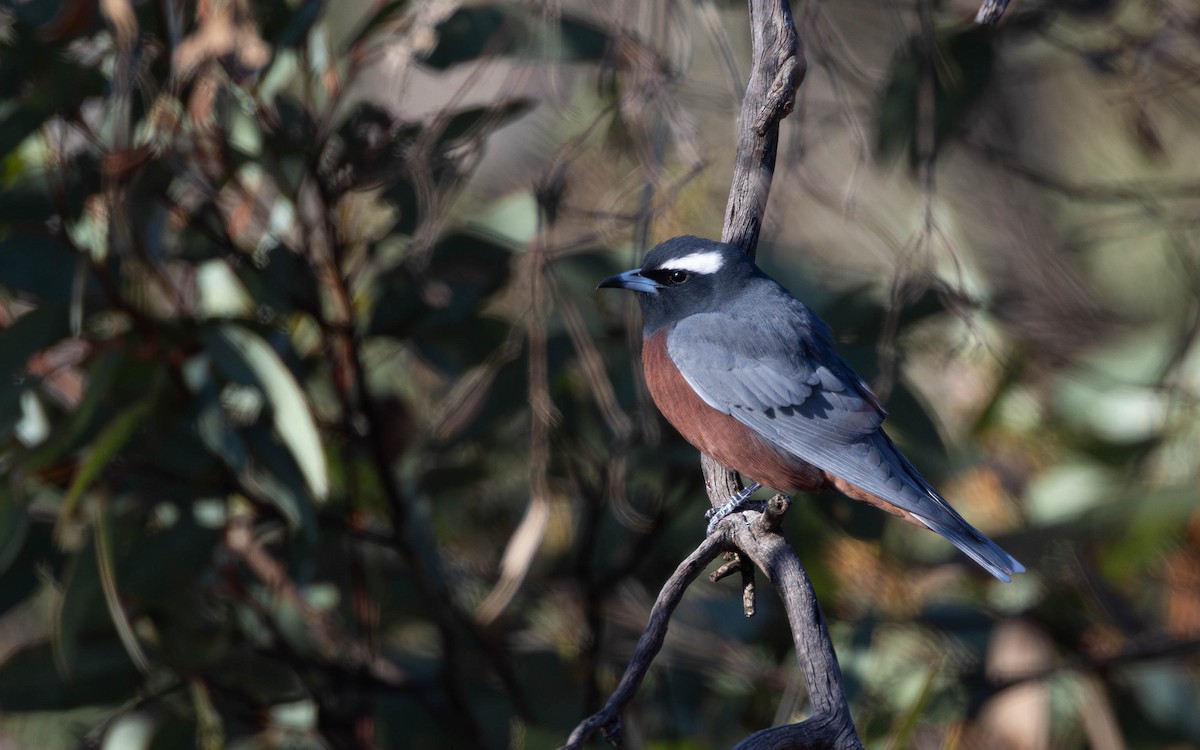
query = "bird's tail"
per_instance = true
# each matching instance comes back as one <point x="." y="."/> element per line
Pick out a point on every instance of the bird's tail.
<point x="973" y="544"/>
<point x="948" y="524"/>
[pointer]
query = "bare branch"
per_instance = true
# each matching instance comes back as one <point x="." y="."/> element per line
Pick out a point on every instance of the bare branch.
<point x="608" y="719"/>
<point x="777" y="72"/>
<point x="778" y="69"/>
<point x="830" y="725"/>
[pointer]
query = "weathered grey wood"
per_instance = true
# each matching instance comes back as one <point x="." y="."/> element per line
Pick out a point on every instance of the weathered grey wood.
<point x="608" y="719"/>
<point x="778" y="69"/>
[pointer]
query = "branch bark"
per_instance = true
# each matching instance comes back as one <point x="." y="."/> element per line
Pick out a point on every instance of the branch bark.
<point x="608" y="719"/>
<point x="778" y="69"/>
<point x="830" y="725"/>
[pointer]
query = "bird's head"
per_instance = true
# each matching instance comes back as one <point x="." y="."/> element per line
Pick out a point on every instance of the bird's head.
<point x="684" y="276"/>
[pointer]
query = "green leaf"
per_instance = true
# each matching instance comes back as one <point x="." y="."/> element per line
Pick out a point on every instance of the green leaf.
<point x="52" y="730"/>
<point x="102" y="374"/>
<point x="583" y="39"/>
<point x="283" y="280"/>
<point x="451" y="352"/>
<point x="30" y="334"/>
<point x="374" y="145"/>
<point x="474" y="32"/>
<point x="463" y="122"/>
<point x="293" y="419"/>
<point x="295" y="22"/>
<point x="466" y="270"/>
<point x="513" y="218"/>
<point x="962" y="70"/>
<point x="275" y="476"/>
<point x="106" y="566"/>
<point x="1068" y="491"/>
<point x="14" y="526"/>
<point x="108" y="444"/>
<point x="101" y="673"/>
<point x="47" y="82"/>
<point x="80" y="611"/>
<point x="217" y="434"/>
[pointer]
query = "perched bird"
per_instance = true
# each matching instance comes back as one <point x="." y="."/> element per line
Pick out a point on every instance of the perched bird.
<point x="748" y="375"/>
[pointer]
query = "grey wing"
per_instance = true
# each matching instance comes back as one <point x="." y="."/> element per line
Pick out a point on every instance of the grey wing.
<point x="780" y="383"/>
<point x="785" y="382"/>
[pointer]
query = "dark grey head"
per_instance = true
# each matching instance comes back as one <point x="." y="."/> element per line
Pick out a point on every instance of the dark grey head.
<point x="684" y="276"/>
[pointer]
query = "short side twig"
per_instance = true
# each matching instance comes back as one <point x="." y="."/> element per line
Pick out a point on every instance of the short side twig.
<point x="608" y="719"/>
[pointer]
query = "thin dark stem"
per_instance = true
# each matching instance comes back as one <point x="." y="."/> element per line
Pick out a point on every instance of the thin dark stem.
<point x="778" y="70"/>
<point x="608" y="719"/>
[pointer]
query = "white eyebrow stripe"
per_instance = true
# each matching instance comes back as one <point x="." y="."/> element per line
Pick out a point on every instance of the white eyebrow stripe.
<point x="709" y="261"/>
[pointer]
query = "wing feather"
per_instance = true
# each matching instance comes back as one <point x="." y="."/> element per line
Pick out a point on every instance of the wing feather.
<point x="780" y="377"/>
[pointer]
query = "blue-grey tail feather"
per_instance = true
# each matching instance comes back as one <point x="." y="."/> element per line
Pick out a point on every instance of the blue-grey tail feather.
<point x="953" y="527"/>
<point x="976" y="546"/>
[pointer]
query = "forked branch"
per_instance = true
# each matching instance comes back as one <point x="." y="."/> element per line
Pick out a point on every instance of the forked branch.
<point x="778" y="69"/>
<point x="608" y="719"/>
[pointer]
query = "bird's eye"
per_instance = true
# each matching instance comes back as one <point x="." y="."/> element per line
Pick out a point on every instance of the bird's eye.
<point x="678" y="277"/>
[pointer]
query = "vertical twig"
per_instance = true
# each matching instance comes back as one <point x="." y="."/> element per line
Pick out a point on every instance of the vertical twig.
<point x="776" y="75"/>
<point x="778" y="69"/>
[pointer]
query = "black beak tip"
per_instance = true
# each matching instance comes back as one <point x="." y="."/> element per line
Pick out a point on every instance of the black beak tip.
<point x="612" y="282"/>
<point x="631" y="280"/>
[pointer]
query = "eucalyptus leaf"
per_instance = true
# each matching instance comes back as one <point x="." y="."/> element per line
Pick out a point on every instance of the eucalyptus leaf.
<point x="38" y="265"/>
<point x="31" y="333"/>
<point x="292" y="418"/>
<point x="961" y="64"/>
<point x="274" y="475"/>
<point x="101" y="674"/>
<point x="111" y="440"/>
<point x="473" y="32"/>
<point x="14" y="526"/>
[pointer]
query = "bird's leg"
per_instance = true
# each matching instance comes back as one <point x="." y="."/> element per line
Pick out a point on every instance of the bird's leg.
<point x="733" y="505"/>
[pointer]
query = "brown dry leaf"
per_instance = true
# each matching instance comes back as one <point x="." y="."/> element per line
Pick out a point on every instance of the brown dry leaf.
<point x="121" y="19"/>
<point x="1181" y="575"/>
<point x="59" y="367"/>
<point x="221" y="34"/>
<point x="980" y="495"/>
<point x="1018" y="718"/>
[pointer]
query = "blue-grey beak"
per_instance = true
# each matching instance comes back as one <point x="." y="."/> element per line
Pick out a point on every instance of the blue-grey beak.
<point x="632" y="280"/>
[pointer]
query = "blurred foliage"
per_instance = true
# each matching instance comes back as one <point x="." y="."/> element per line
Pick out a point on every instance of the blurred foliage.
<point x="315" y="434"/>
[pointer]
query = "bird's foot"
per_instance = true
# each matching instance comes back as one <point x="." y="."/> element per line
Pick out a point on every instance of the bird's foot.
<point x="740" y="501"/>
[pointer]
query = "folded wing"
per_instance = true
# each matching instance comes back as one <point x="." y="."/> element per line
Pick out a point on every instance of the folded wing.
<point x="780" y="377"/>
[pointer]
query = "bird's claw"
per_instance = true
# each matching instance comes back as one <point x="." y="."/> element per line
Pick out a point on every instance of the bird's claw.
<point x="740" y="501"/>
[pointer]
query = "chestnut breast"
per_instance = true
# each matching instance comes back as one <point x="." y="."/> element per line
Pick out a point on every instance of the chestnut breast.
<point x="717" y="434"/>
